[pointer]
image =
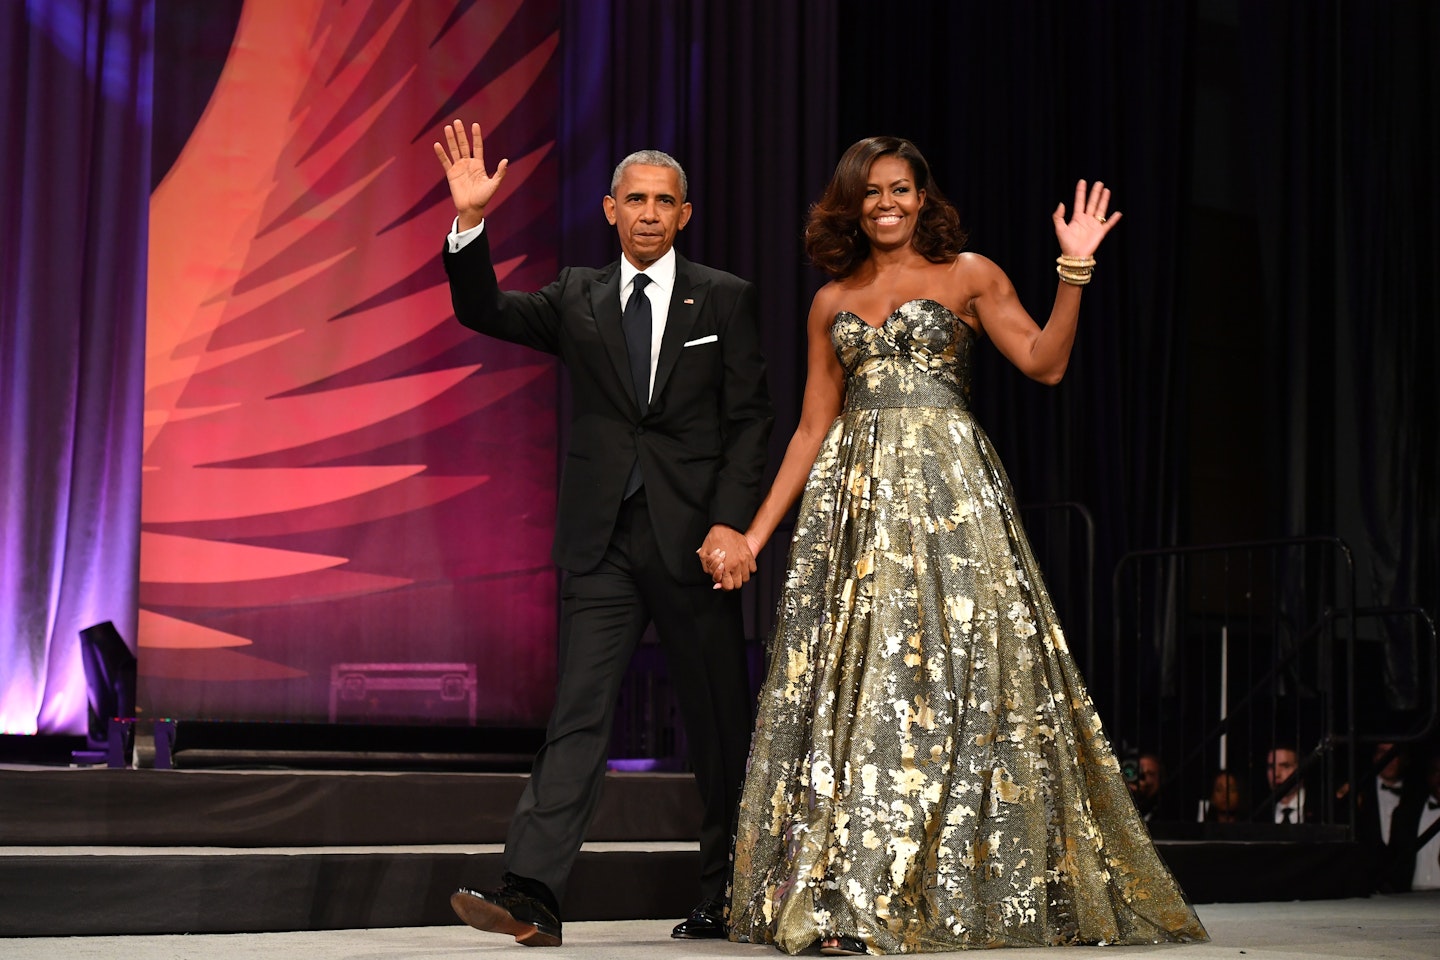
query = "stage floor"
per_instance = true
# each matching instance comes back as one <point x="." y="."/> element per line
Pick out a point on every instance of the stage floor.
<point x="1400" y="927"/>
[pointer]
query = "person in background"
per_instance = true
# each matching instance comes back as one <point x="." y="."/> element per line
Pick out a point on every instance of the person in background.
<point x="1387" y="797"/>
<point x="1228" y="802"/>
<point x="1145" y="786"/>
<point x="1424" y="837"/>
<point x="1281" y="762"/>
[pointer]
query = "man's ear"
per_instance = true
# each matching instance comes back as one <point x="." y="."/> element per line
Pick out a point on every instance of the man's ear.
<point x="609" y="204"/>
<point x="684" y="215"/>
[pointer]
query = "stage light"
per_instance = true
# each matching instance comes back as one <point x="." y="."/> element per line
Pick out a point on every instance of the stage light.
<point x="109" y="680"/>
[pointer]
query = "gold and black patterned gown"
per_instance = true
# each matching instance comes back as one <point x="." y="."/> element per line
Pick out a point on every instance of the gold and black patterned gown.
<point x="927" y="770"/>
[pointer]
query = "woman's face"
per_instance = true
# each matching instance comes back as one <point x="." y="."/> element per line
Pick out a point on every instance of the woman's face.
<point x="891" y="205"/>
<point x="1225" y="794"/>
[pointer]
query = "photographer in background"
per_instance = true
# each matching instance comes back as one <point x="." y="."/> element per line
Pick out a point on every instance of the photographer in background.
<point x="1143" y="775"/>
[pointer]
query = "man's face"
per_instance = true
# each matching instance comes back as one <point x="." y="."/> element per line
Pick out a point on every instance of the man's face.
<point x="1394" y="769"/>
<point x="647" y="211"/>
<point x="1148" y="783"/>
<point x="1280" y="765"/>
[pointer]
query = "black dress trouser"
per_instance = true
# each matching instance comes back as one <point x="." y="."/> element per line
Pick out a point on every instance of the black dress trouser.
<point x="604" y="613"/>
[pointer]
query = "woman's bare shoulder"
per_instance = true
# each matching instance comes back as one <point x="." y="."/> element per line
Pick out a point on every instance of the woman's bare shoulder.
<point x="976" y="274"/>
<point x="828" y="298"/>
<point x="968" y="263"/>
<point x="968" y="278"/>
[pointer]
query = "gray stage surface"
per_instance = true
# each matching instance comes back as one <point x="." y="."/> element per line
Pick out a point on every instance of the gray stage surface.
<point x="1401" y="927"/>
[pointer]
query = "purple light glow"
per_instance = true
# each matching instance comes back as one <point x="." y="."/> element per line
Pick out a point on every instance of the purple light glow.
<point x="72" y="312"/>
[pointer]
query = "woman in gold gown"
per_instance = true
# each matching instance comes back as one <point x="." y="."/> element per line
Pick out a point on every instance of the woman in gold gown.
<point x="927" y="771"/>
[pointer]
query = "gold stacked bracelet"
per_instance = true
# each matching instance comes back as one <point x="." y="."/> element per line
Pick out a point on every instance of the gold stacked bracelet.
<point x="1075" y="270"/>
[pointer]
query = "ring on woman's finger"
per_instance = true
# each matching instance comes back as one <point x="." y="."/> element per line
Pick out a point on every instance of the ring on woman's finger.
<point x="1100" y="219"/>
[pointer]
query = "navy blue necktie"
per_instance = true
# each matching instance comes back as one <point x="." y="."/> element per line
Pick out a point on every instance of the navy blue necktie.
<point x="635" y="321"/>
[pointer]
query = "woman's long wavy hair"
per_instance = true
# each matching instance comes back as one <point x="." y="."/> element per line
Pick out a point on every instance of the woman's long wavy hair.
<point x="834" y="241"/>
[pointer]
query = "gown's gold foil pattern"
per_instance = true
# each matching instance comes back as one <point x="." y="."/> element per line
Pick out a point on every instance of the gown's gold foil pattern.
<point x="927" y="770"/>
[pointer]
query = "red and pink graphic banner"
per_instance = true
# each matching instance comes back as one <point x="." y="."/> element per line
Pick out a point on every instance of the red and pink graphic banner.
<point x="348" y="498"/>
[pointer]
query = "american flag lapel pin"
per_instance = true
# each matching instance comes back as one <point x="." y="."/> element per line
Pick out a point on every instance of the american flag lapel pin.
<point x="690" y="301"/>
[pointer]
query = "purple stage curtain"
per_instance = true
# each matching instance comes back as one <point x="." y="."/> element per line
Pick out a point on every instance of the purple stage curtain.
<point x="76" y="161"/>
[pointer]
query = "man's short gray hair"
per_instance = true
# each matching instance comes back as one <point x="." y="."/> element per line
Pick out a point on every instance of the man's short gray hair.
<point x="652" y="158"/>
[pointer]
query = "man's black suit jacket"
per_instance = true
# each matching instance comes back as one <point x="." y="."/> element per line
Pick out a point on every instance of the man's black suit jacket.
<point x="702" y="443"/>
<point x="1395" y="862"/>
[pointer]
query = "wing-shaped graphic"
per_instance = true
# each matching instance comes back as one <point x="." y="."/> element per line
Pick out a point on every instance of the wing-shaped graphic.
<point x="319" y="430"/>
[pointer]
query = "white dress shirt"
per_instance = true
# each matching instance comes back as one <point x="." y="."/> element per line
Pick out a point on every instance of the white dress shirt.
<point x="1387" y="798"/>
<point x="1427" y="858"/>
<point x="662" y="284"/>
<point x="1295" y="803"/>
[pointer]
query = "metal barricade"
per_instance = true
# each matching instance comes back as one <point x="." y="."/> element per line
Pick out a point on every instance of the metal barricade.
<point x="1227" y="656"/>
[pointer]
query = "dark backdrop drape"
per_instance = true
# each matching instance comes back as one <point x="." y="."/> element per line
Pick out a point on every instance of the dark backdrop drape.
<point x="1011" y="104"/>
<point x="1256" y="356"/>
<point x="742" y="93"/>
<point x="1343" y="139"/>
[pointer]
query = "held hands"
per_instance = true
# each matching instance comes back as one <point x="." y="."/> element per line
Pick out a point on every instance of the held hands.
<point x="471" y="187"/>
<point x="728" y="556"/>
<point x="1082" y="235"/>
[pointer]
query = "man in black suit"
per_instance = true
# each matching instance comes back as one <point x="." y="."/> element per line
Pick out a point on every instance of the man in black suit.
<point x="1415" y="865"/>
<point x="1386" y="797"/>
<point x="1281" y="764"/>
<point x="670" y="423"/>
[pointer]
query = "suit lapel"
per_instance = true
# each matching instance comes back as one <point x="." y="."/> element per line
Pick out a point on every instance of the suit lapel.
<point x="685" y="304"/>
<point x="605" y="305"/>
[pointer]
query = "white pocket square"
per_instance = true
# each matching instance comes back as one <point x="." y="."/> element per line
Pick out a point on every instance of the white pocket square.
<point x="695" y="343"/>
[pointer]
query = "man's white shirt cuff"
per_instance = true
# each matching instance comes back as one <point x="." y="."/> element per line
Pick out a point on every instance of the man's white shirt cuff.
<point x="458" y="238"/>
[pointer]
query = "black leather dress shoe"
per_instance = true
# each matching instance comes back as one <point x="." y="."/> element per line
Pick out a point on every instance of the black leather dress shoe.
<point x="706" y="922"/>
<point x="511" y="910"/>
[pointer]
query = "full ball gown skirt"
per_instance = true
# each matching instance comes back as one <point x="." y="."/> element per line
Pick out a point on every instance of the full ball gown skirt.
<point x="927" y="771"/>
